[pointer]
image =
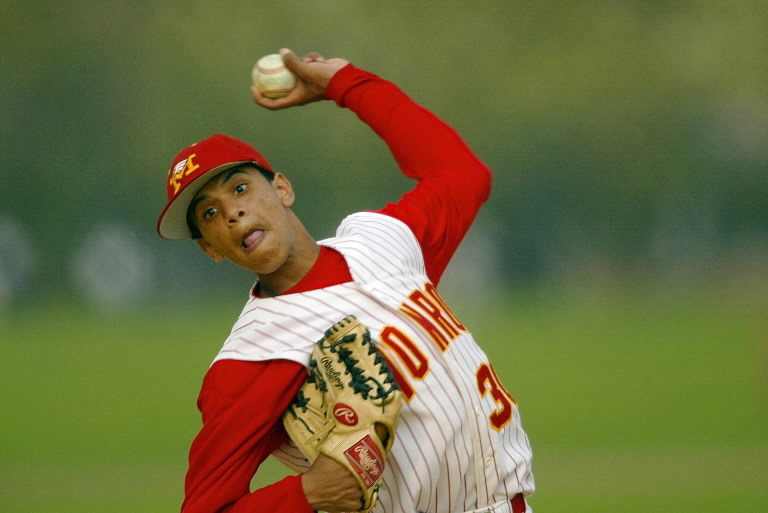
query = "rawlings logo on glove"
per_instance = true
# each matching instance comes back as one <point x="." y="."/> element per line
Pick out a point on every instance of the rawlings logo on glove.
<point x="345" y="414"/>
<point x="350" y="390"/>
<point x="366" y="460"/>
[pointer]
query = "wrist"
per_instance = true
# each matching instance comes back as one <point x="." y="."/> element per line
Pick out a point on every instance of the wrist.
<point x="344" y="80"/>
<point x="299" y="480"/>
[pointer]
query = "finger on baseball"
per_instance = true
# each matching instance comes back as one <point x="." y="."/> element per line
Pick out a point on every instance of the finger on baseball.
<point x="289" y="59"/>
<point x="299" y="66"/>
<point x="268" y="103"/>
<point x="314" y="57"/>
<point x="293" y="98"/>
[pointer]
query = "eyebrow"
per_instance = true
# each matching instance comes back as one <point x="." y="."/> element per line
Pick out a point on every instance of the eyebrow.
<point x="232" y="172"/>
<point x="229" y="174"/>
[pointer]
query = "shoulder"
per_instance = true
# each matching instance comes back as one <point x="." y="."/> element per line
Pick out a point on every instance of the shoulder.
<point x="379" y="230"/>
<point x="233" y="378"/>
<point x="370" y="238"/>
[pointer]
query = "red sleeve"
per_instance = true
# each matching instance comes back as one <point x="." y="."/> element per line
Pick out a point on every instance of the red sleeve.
<point x="241" y="404"/>
<point x="452" y="182"/>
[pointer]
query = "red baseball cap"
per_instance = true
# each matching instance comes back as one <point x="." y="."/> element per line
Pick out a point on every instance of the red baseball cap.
<point x="191" y="170"/>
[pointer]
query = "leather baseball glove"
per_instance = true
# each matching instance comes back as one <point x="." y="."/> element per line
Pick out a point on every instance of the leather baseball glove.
<point x="350" y="390"/>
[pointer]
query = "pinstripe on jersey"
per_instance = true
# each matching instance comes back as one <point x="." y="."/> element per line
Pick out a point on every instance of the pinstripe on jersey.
<point x="460" y="444"/>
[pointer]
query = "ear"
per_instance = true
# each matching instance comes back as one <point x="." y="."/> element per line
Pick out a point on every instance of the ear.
<point x="284" y="190"/>
<point x="210" y="250"/>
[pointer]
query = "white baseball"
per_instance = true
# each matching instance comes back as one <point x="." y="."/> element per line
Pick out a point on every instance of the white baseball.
<point x="271" y="77"/>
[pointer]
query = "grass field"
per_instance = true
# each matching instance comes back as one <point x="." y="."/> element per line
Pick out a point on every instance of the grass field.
<point x="632" y="404"/>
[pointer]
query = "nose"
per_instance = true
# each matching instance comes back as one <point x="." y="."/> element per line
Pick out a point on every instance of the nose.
<point x="234" y="214"/>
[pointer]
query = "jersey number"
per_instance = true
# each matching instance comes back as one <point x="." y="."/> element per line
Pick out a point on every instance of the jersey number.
<point x="488" y="383"/>
<point x="416" y="365"/>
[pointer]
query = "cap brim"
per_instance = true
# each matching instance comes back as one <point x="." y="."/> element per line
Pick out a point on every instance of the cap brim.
<point x="172" y="223"/>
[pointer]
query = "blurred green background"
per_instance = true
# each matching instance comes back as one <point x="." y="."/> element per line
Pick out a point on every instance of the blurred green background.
<point x="618" y="275"/>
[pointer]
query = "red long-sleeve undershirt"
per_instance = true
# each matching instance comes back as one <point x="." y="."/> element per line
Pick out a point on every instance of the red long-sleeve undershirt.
<point x="241" y="402"/>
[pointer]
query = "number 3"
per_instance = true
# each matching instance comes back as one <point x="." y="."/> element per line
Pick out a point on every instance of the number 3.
<point x="488" y="381"/>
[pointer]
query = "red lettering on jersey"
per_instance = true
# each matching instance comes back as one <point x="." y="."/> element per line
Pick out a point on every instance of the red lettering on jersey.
<point x="406" y="350"/>
<point x="488" y="382"/>
<point x="434" y="311"/>
<point x="434" y="333"/>
<point x="405" y="385"/>
<point x="432" y="290"/>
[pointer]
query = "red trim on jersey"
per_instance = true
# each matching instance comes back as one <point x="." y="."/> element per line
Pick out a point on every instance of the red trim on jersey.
<point x="329" y="269"/>
<point x="241" y="402"/>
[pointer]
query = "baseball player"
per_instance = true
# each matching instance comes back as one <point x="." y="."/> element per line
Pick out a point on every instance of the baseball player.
<point x="459" y="446"/>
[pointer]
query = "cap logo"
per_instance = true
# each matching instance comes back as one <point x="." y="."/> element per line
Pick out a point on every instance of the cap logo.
<point x="181" y="169"/>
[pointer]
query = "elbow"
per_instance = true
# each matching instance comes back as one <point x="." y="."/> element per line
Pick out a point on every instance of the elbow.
<point x="484" y="182"/>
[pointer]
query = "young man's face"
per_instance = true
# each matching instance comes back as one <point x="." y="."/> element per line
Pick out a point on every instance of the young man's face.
<point x="245" y="218"/>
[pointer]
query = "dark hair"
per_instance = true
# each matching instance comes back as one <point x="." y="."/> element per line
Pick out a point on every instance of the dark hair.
<point x="269" y="175"/>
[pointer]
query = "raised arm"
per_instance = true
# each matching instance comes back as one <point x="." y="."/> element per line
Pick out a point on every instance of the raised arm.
<point x="452" y="182"/>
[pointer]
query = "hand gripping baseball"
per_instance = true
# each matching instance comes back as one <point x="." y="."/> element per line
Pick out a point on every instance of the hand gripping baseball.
<point x="348" y="408"/>
<point x="313" y="73"/>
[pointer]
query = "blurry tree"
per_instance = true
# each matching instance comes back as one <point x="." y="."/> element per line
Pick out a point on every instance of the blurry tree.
<point x="623" y="134"/>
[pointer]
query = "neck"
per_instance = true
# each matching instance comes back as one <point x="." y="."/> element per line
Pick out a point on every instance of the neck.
<point x="293" y="270"/>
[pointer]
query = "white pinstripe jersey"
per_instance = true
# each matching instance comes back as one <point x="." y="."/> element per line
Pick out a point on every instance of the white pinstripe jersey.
<point x="459" y="443"/>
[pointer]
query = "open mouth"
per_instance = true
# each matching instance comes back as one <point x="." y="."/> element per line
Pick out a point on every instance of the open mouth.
<point x="252" y="239"/>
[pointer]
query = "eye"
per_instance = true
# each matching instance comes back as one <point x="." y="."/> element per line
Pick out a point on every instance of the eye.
<point x="209" y="213"/>
<point x="241" y="188"/>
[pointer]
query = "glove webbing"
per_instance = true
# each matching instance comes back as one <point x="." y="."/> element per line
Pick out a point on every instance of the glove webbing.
<point x="359" y="381"/>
